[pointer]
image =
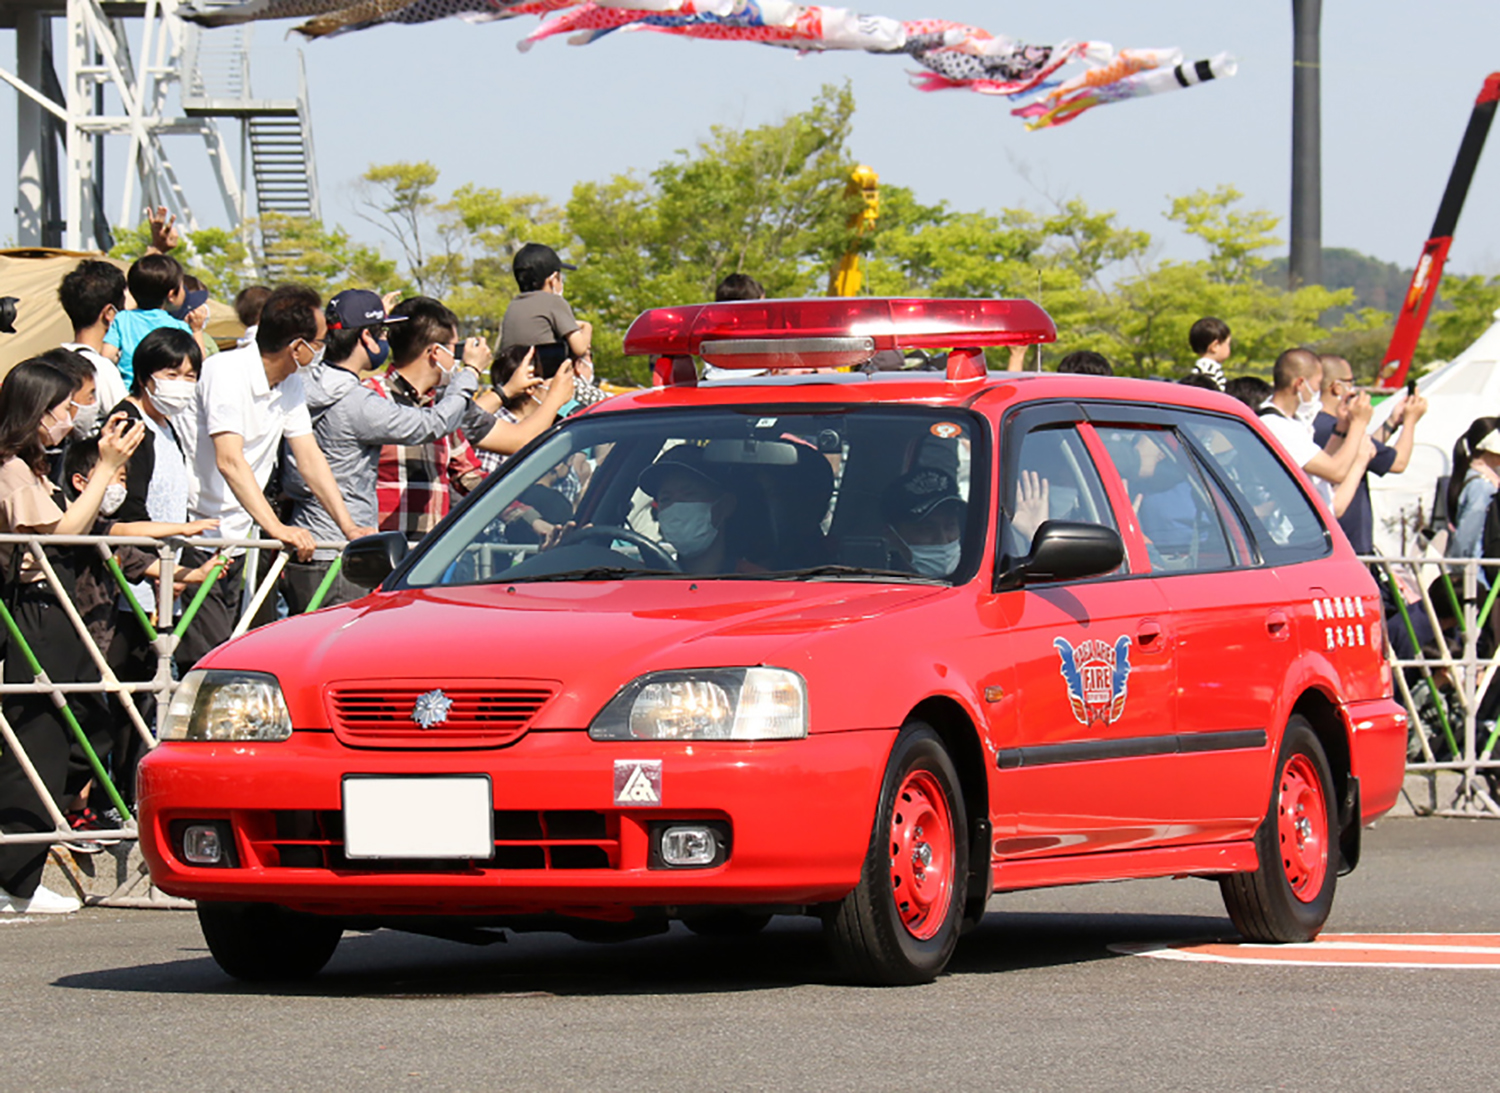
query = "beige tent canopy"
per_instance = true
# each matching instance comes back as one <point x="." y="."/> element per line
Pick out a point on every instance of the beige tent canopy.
<point x="32" y="276"/>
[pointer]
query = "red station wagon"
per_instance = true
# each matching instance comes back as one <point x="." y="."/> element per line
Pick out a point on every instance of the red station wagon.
<point x="865" y="645"/>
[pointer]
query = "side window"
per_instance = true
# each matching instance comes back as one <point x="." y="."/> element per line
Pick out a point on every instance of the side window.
<point x="1177" y="514"/>
<point x="1282" y="519"/>
<point x="1054" y="478"/>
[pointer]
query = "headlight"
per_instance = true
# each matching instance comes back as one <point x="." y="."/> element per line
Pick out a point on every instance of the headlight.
<point x="708" y="704"/>
<point x="227" y="705"/>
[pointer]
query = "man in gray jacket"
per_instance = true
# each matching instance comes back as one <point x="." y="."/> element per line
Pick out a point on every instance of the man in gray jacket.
<point x="352" y="423"/>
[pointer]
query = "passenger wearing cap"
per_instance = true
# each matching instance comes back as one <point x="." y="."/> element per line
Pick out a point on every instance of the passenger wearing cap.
<point x="924" y="513"/>
<point x="352" y="423"/>
<point x="539" y="315"/>
<point x="694" y="508"/>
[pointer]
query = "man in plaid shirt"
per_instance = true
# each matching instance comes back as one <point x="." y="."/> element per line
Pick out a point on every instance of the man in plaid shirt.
<point x="415" y="484"/>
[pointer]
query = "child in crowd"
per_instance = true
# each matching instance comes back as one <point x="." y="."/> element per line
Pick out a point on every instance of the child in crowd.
<point x="1209" y="338"/>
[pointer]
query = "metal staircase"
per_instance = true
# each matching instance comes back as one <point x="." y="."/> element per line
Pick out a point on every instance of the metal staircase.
<point x="276" y="145"/>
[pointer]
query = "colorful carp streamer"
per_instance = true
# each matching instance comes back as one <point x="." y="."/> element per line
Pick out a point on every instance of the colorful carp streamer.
<point x="952" y="55"/>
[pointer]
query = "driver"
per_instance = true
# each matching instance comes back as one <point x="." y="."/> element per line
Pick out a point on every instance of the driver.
<point x="693" y="509"/>
<point x="924" y="515"/>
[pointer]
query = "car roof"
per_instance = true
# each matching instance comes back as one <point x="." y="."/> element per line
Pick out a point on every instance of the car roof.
<point x="926" y="388"/>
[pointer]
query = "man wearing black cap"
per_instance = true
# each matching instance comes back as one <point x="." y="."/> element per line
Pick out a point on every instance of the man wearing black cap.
<point x="694" y="504"/>
<point x="925" y="514"/>
<point x="352" y="423"/>
<point x="539" y="315"/>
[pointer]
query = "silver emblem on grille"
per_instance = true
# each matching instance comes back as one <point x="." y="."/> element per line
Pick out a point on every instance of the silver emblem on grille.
<point x="431" y="709"/>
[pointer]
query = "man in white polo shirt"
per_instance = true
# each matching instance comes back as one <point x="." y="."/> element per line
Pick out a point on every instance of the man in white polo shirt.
<point x="1296" y="398"/>
<point x="248" y="401"/>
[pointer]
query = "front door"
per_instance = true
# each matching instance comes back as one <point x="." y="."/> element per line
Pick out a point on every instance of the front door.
<point x="1091" y="707"/>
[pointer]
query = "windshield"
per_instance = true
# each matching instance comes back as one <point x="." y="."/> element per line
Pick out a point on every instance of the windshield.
<point x="727" y="492"/>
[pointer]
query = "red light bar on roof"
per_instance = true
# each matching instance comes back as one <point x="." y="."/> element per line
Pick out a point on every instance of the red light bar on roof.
<point x="886" y="323"/>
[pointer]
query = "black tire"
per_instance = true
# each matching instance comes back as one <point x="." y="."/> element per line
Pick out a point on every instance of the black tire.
<point x="259" y="942"/>
<point x="1284" y="900"/>
<point x="870" y="931"/>
<point x="726" y="923"/>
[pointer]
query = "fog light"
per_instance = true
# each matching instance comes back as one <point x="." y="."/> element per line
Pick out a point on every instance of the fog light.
<point x="201" y="845"/>
<point x="689" y="846"/>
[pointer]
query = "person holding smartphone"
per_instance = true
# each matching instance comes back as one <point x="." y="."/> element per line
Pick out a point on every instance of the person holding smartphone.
<point x="35" y="413"/>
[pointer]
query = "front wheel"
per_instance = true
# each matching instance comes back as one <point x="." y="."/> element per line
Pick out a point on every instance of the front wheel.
<point x="1289" y="897"/>
<point x="901" y="923"/>
<point x="259" y="942"/>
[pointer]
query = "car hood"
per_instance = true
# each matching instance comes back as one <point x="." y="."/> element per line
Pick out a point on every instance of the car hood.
<point x="589" y="638"/>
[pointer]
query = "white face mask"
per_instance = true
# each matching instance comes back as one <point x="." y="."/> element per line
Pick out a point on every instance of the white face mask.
<point x="85" y="418"/>
<point x="56" y="430"/>
<point x="317" y="358"/>
<point x="172" y="397"/>
<point x="1307" y="408"/>
<point x="688" y="526"/>
<point x="935" y="559"/>
<point x="114" y="497"/>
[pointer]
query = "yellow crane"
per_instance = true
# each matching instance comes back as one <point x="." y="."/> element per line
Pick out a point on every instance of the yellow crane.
<point x="847" y="277"/>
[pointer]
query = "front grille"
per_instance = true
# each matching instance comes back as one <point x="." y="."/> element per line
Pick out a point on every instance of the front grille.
<point x="487" y="715"/>
<point x="547" y="840"/>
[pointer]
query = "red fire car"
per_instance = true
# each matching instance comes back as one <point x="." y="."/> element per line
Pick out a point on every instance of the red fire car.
<point x="871" y="645"/>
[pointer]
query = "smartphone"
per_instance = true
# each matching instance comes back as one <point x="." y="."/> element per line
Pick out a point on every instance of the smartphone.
<point x="549" y="358"/>
<point x="1411" y="388"/>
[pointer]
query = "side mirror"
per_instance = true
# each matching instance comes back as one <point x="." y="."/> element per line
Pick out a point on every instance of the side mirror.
<point x="370" y="559"/>
<point x="1063" y="550"/>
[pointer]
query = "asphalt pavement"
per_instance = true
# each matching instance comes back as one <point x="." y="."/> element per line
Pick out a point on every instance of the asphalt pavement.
<point x="1035" y="999"/>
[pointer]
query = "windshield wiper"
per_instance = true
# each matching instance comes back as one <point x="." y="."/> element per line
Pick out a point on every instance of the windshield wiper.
<point x="600" y="573"/>
<point x="862" y="572"/>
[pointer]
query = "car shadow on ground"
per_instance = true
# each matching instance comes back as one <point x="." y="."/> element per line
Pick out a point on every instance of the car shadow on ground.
<point x="789" y="953"/>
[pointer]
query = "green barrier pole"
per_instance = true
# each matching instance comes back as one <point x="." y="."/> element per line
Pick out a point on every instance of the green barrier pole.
<point x="1489" y="603"/>
<point x="198" y="598"/>
<point x="19" y="642"/>
<point x="140" y="613"/>
<point x="1411" y="632"/>
<point x="1458" y="611"/>
<point x="328" y="579"/>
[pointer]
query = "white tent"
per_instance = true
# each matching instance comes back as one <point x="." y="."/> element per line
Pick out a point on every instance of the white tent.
<point x="1466" y="387"/>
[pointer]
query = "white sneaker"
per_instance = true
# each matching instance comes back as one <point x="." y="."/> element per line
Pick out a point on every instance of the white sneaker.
<point x="43" y="901"/>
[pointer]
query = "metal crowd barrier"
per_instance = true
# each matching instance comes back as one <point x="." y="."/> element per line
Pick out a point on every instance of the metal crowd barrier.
<point x="1443" y="692"/>
<point x="1445" y="685"/>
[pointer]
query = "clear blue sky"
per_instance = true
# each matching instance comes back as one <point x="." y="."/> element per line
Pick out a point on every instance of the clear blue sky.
<point x="1399" y="78"/>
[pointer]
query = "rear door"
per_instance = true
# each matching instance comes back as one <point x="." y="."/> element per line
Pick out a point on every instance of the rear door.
<point x="1231" y="620"/>
<point x="1089" y="707"/>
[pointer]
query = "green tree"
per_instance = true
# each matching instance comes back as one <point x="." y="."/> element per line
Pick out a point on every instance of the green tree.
<point x="767" y="201"/>
<point x="1465" y="308"/>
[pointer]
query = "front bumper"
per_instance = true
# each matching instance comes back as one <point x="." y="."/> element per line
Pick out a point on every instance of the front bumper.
<point x="1377" y="747"/>
<point x="799" y="813"/>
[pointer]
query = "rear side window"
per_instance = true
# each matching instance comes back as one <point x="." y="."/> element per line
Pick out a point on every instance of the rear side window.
<point x="1284" y="522"/>
<point x="1181" y="524"/>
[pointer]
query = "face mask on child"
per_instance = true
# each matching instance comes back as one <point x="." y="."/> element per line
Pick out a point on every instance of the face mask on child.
<point x="114" y="497"/>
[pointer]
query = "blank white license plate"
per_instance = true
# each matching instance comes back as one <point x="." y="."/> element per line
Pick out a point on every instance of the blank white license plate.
<point x="419" y="817"/>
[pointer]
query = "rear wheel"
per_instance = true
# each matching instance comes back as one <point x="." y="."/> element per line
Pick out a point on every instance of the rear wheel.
<point x="260" y="942"/>
<point x="901" y="923"/>
<point x="1289" y="897"/>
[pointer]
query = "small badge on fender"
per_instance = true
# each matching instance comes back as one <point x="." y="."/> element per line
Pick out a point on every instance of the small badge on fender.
<point x="1095" y="674"/>
<point x="637" y="782"/>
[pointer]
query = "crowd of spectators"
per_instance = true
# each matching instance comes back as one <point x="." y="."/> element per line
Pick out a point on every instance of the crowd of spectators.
<point x="325" y="422"/>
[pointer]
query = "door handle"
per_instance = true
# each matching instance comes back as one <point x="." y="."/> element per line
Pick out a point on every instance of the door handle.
<point x="1148" y="637"/>
<point x="1278" y="625"/>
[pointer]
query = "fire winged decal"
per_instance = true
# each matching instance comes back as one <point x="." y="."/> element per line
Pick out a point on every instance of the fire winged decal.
<point x="1096" y="675"/>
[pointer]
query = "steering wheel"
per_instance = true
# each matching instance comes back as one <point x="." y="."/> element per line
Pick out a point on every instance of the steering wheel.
<point x="651" y="553"/>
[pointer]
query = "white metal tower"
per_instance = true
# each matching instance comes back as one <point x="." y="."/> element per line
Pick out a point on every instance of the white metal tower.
<point x="136" y="70"/>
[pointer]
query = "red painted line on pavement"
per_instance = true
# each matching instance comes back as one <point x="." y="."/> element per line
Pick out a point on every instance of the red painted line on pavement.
<point x="1461" y="951"/>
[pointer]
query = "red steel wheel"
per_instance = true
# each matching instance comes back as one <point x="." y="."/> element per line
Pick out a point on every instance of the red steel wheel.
<point x="922" y="857"/>
<point x="1302" y="827"/>
<point x="1290" y="894"/>
<point x="901" y="922"/>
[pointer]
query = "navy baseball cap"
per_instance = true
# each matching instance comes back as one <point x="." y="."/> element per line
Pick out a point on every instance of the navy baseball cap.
<point x="536" y="262"/>
<point x="917" y="493"/>
<point x="355" y="308"/>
